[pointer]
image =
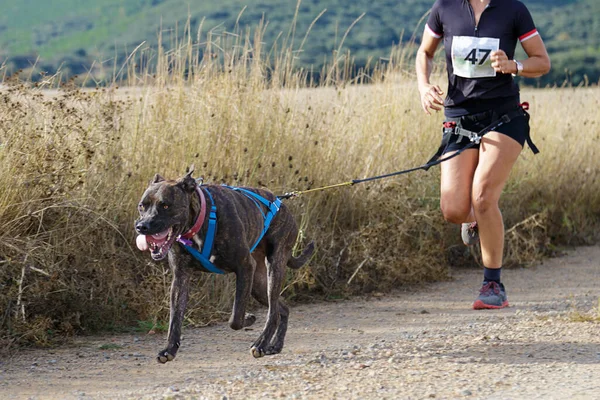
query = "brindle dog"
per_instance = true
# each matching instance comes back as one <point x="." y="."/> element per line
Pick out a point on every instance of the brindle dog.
<point x="169" y="208"/>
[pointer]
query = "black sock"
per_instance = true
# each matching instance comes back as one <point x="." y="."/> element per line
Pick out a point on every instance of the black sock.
<point x="491" y="275"/>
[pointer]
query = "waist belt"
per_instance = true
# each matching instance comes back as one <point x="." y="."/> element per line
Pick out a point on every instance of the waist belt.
<point x="453" y="128"/>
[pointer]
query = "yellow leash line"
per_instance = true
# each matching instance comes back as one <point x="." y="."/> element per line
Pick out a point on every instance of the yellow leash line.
<point x="301" y="192"/>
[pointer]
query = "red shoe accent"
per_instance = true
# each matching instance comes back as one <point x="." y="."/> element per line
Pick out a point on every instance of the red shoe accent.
<point x="480" y="305"/>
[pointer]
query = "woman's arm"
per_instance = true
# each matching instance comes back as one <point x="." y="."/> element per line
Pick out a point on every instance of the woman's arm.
<point x="536" y="65"/>
<point x="430" y="94"/>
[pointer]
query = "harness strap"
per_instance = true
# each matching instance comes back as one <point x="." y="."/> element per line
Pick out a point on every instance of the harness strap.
<point x="210" y="267"/>
<point x="212" y="228"/>
<point x="272" y="209"/>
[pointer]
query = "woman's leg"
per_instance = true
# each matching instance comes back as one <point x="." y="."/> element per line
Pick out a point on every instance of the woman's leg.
<point x="456" y="183"/>
<point x="497" y="155"/>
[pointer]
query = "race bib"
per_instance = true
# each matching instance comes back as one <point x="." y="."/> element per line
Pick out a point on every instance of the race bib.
<point x="471" y="56"/>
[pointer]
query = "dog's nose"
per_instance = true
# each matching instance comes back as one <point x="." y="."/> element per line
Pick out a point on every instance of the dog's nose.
<point x="142" y="227"/>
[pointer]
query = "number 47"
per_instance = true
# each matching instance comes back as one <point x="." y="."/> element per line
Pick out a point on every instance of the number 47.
<point x="472" y="57"/>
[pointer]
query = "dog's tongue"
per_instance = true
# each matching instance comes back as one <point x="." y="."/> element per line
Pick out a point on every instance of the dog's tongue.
<point x="142" y="243"/>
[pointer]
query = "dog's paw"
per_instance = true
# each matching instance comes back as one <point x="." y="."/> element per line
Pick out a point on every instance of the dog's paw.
<point x="164" y="356"/>
<point x="249" y="320"/>
<point x="272" y="350"/>
<point x="257" y="352"/>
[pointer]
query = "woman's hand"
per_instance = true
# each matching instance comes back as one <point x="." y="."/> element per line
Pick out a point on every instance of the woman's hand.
<point x="431" y="97"/>
<point x="502" y="64"/>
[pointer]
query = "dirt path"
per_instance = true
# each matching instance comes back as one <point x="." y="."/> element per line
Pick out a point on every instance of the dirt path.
<point x="414" y="345"/>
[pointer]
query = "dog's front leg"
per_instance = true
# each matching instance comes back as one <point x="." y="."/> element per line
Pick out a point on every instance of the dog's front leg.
<point x="179" y="297"/>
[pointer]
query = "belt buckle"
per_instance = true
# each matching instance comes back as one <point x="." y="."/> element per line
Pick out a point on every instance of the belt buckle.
<point x="475" y="138"/>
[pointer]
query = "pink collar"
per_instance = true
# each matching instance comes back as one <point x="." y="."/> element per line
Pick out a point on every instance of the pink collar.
<point x="200" y="220"/>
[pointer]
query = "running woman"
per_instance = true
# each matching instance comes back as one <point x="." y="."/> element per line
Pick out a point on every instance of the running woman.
<point x="480" y="37"/>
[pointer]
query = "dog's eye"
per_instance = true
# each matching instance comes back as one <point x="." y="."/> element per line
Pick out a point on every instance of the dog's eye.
<point x="165" y="206"/>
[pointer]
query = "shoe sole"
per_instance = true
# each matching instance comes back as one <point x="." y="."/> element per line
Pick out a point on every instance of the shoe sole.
<point x="472" y="241"/>
<point x="480" y="305"/>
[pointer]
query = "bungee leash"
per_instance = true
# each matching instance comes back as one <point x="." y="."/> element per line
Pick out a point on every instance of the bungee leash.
<point x="450" y="129"/>
<point x="353" y="182"/>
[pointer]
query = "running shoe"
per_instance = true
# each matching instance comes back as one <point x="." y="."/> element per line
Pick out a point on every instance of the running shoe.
<point x="470" y="233"/>
<point x="492" y="295"/>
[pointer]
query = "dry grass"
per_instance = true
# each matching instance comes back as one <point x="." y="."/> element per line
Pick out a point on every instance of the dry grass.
<point x="74" y="163"/>
<point x="593" y="315"/>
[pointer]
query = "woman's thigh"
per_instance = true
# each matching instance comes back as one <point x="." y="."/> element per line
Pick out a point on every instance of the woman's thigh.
<point x="497" y="155"/>
<point x="456" y="183"/>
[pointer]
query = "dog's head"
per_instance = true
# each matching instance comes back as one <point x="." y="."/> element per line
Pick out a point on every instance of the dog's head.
<point x="164" y="213"/>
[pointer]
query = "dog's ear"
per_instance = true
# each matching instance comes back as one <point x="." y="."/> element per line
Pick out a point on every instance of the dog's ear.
<point x="188" y="183"/>
<point x="157" y="178"/>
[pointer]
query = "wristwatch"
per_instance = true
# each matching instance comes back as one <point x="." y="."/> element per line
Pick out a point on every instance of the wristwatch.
<point x="519" y="68"/>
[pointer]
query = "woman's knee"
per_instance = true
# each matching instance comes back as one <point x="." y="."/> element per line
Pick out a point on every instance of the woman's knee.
<point x="484" y="200"/>
<point x="454" y="211"/>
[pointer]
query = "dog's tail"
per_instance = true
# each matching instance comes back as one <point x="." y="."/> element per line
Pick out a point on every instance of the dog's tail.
<point x="307" y="253"/>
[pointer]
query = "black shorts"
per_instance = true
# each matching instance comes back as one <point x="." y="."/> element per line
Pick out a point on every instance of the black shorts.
<point x="517" y="128"/>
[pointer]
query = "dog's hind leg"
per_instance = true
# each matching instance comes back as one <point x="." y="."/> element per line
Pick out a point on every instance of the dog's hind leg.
<point x="277" y="343"/>
<point x="259" y="292"/>
<point x="243" y="288"/>
<point x="179" y="297"/>
<point x="275" y="269"/>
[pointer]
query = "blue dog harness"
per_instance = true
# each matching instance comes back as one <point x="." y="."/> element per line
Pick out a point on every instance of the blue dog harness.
<point x="204" y="256"/>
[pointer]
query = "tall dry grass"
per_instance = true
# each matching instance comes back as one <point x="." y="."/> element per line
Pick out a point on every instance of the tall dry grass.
<point x="74" y="163"/>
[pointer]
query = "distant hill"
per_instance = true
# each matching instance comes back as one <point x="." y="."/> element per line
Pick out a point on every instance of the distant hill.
<point x="73" y="34"/>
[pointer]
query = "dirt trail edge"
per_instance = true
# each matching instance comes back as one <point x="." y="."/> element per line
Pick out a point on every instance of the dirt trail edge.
<point x="414" y="345"/>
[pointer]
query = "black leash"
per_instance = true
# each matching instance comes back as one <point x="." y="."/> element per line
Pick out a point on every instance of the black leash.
<point x="474" y="137"/>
